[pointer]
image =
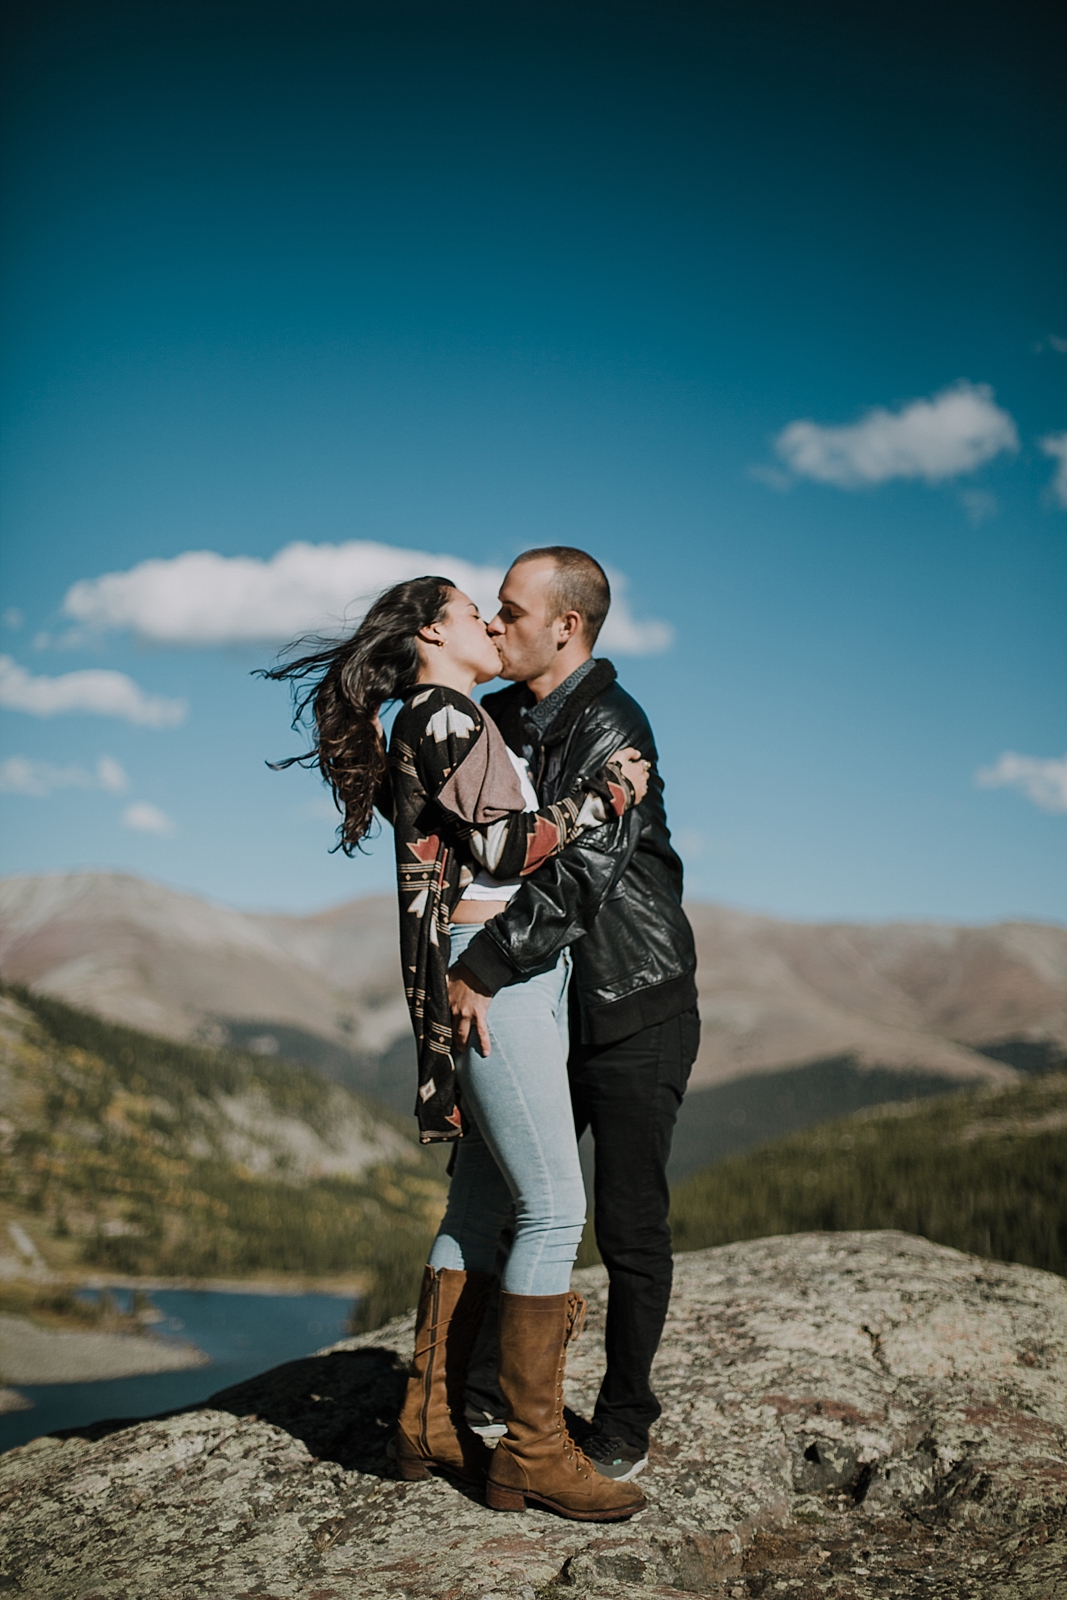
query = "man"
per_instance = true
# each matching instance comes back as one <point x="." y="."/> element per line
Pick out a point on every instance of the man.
<point x="614" y="896"/>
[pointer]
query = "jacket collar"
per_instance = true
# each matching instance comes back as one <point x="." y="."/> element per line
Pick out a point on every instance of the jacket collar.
<point x="580" y="698"/>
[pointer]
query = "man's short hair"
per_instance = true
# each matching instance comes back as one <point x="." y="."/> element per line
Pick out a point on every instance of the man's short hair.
<point x="579" y="584"/>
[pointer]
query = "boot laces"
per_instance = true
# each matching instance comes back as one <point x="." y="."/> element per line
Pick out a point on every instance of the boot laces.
<point x="582" y="1464"/>
<point x="576" y="1309"/>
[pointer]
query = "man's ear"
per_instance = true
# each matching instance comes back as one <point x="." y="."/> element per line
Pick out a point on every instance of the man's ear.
<point x="567" y="626"/>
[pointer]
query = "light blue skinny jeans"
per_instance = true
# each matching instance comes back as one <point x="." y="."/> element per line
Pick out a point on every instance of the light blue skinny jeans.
<point x="517" y="1164"/>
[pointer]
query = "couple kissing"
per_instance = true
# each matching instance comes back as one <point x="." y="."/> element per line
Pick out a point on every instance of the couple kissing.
<point x="550" y="976"/>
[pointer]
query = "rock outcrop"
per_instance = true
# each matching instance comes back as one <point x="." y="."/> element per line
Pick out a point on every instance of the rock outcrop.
<point x="844" y="1414"/>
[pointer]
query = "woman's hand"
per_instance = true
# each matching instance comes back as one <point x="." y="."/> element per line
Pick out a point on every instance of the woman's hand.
<point x="634" y="768"/>
<point x="468" y="1001"/>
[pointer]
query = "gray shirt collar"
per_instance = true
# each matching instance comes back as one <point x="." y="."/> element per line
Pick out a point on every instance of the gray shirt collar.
<point x="539" y="717"/>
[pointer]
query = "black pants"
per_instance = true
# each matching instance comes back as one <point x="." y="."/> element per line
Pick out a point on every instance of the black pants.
<point x="627" y="1094"/>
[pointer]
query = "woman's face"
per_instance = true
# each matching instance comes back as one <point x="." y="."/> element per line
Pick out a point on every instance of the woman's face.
<point x="466" y="642"/>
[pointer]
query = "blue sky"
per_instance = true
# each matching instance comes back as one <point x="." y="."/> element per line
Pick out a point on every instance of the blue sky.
<point x="461" y="278"/>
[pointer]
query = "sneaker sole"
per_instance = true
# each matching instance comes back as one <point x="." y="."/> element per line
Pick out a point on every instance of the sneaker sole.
<point x="491" y="1432"/>
<point x="621" y="1477"/>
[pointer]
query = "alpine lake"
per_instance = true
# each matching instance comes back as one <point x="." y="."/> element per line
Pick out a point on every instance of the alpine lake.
<point x="242" y="1334"/>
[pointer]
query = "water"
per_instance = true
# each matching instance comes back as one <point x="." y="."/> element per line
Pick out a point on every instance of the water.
<point x="243" y="1334"/>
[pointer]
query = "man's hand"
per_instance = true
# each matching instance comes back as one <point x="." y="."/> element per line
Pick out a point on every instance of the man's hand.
<point x="468" y="1001"/>
<point x="633" y="766"/>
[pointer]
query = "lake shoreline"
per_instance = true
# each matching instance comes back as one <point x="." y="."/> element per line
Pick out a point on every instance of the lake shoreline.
<point x="238" y="1336"/>
<point x="32" y="1355"/>
<point x="267" y="1283"/>
<point x="290" y="1284"/>
<point x="49" y="1346"/>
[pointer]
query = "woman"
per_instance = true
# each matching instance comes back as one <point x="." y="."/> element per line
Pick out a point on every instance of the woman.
<point x="467" y="829"/>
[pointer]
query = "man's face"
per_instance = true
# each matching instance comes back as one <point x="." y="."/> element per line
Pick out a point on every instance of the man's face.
<point x="521" y="630"/>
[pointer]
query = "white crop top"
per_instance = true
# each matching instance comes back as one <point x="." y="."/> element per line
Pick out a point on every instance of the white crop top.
<point x="485" y="886"/>
<point x="488" y="847"/>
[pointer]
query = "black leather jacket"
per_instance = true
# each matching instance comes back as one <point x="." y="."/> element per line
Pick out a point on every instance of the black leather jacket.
<point x="614" y="895"/>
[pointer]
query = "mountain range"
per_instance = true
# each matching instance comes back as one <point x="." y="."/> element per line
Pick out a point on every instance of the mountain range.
<point x="800" y="1020"/>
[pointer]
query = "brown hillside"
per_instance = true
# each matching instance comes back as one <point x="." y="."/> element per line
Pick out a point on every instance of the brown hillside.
<point x="774" y="994"/>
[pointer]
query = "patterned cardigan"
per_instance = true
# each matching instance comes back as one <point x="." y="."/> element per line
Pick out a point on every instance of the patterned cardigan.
<point x="457" y="806"/>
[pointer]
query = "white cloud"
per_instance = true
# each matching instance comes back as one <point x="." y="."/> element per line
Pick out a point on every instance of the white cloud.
<point x="110" y="775"/>
<point x="201" y="598"/>
<point x="1055" y="445"/>
<point x="13" y="617"/>
<point x="105" y="693"/>
<point x="979" y="505"/>
<point x="1043" y="782"/>
<point x="147" y="818"/>
<point x="21" y="775"/>
<point x="953" y="432"/>
<point x="622" y="633"/>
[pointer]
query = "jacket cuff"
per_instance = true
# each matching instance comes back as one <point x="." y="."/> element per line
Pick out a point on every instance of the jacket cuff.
<point x="484" y="957"/>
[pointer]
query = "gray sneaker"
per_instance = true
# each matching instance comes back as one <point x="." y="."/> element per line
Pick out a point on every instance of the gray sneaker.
<point x="487" y="1426"/>
<point x="614" y="1458"/>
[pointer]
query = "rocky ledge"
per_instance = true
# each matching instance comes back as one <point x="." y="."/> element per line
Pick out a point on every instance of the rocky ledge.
<point x="848" y="1415"/>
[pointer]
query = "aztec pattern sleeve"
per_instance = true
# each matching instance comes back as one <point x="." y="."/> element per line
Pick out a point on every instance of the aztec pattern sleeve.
<point x="518" y="844"/>
<point x="488" y="818"/>
<point x="429" y="736"/>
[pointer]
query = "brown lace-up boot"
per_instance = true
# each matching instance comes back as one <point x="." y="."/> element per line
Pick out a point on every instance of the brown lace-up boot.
<point x="431" y="1433"/>
<point x="537" y="1460"/>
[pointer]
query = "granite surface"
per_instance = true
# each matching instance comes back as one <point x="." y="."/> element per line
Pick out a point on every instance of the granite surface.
<point x="847" y="1415"/>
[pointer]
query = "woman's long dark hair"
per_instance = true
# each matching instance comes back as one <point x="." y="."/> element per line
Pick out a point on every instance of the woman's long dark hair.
<point x="346" y="683"/>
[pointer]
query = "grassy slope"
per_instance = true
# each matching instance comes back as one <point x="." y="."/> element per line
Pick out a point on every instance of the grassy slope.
<point x="981" y="1170"/>
<point x="114" y="1155"/>
<point x="729" y="1118"/>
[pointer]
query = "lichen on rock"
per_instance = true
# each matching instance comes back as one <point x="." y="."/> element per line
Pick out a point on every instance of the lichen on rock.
<point x="844" y="1414"/>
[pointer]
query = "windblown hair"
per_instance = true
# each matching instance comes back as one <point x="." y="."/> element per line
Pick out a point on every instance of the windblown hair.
<point x="345" y="683"/>
<point x="579" y="584"/>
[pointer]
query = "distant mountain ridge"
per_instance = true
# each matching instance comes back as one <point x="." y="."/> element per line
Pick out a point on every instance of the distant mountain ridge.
<point x="324" y="988"/>
<point x="927" y="997"/>
<point x="915" y="998"/>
